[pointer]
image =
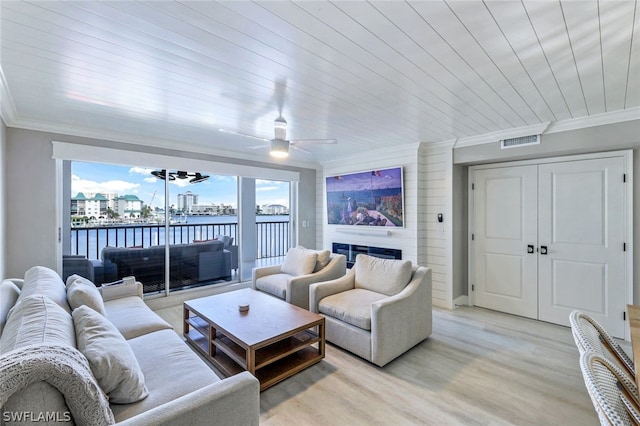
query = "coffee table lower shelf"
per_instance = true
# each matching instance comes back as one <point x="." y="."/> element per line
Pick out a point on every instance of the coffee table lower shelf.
<point x="271" y="363"/>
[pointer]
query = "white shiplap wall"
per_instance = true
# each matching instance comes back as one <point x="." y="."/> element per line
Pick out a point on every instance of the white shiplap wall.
<point x="435" y="196"/>
<point x="405" y="238"/>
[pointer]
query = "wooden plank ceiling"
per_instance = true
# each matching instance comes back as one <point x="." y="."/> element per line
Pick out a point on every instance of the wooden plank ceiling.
<point x="369" y="74"/>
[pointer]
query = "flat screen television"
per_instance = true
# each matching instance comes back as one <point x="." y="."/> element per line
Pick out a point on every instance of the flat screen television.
<point x="368" y="198"/>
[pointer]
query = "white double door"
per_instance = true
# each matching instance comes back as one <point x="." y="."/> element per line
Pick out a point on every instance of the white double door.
<point x="550" y="238"/>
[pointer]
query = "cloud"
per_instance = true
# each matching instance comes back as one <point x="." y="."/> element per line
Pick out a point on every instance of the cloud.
<point x="271" y="182"/>
<point x="224" y="178"/>
<point x="119" y="187"/>
<point x="181" y="183"/>
<point x="281" y="201"/>
<point x="267" y="188"/>
<point x="271" y="185"/>
<point x="140" y="171"/>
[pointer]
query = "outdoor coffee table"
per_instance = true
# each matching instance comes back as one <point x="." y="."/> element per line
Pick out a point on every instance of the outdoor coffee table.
<point x="273" y="340"/>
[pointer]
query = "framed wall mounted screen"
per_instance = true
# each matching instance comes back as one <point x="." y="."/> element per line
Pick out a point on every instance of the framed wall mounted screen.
<point x="368" y="198"/>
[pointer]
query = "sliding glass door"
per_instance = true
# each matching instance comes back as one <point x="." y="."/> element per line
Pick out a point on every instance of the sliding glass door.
<point x="123" y="219"/>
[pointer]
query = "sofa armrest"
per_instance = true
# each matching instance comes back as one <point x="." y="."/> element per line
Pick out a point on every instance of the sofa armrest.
<point x="263" y="271"/>
<point x="234" y="255"/>
<point x="117" y="291"/>
<point x="401" y="321"/>
<point x="320" y="290"/>
<point x="17" y="281"/>
<point x="298" y="287"/>
<point x="229" y="402"/>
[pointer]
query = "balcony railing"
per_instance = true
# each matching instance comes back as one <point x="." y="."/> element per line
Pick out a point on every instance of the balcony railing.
<point x="272" y="238"/>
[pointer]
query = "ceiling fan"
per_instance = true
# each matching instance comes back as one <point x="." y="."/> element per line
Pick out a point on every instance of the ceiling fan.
<point x="279" y="144"/>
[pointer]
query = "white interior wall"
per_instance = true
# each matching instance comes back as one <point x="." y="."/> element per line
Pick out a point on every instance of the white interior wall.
<point x="405" y="239"/>
<point x="436" y="183"/>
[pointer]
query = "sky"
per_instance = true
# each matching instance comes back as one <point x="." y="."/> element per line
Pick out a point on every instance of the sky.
<point x="125" y="180"/>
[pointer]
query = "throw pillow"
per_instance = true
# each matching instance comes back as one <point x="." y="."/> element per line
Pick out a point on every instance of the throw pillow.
<point x="43" y="281"/>
<point x="224" y="238"/>
<point x="323" y="257"/>
<point x="386" y="276"/>
<point x="112" y="361"/>
<point x="299" y="262"/>
<point x="323" y="260"/>
<point x="81" y="291"/>
<point x="37" y="320"/>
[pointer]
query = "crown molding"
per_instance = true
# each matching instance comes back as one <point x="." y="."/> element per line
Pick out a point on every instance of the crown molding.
<point x="546" y="128"/>
<point x="535" y="129"/>
<point x="390" y="152"/>
<point x="7" y="107"/>
<point x="90" y="133"/>
<point x="613" y="117"/>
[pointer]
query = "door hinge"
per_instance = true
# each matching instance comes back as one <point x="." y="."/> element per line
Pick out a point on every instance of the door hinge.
<point x="473" y="237"/>
<point x="473" y="186"/>
<point x="624" y="246"/>
<point x="624" y="177"/>
<point x="624" y="316"/>
<point x="59" y="234"/>
<point x="473" y="287"/>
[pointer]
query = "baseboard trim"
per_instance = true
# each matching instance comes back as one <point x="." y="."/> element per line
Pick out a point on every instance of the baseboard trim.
<point x="460" y="301"/>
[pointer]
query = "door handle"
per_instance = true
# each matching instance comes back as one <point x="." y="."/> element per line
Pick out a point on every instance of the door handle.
<point x="543" y="250"/>
<point x="530" y="249"/>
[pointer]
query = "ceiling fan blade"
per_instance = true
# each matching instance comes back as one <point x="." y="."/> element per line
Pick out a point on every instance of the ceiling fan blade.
<point x="231" y="132"/>
<point x="258" y="147"/>
<point x="299" y="148"/>
<point x="314" y="141"/>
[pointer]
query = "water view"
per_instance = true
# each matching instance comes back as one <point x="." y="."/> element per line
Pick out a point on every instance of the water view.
<point x="272" y="233"/>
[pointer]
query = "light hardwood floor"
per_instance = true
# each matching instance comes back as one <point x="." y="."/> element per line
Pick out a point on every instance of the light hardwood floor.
<point x="479" y="367"/>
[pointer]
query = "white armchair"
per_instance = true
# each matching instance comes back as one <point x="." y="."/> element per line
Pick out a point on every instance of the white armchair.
<point x="380" y="309"/>
<point x="302" y="267"/>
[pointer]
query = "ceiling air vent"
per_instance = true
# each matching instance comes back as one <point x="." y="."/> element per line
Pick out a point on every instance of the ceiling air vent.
<point x="521" y="141"/>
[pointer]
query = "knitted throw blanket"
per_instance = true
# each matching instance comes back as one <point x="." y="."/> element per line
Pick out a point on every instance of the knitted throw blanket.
<point x="64" y="368"/>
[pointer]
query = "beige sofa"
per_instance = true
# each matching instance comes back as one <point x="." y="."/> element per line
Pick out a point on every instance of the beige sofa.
<point x="302" y="267"/>
<point x="380" y="309"/>
<point x="168" y="381"/>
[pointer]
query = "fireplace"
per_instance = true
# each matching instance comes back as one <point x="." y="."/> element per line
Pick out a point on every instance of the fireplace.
<point x="352" y="250"/>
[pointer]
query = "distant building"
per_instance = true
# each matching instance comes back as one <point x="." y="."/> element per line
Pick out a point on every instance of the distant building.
<point x="274" y="209"/>
<point x="94" y="205"/>
<point x="128" y="206"/>
<point x="186" y="202"/>
<point x="205" y="209"/>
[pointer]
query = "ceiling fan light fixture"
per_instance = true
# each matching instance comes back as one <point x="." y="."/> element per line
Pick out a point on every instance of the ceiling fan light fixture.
<point x="195" y="177"/>
<point x="160" y="174"/>
<point x="279" y="148"/>
<point x="280" y="128"/>
<point x="199" y="177"/>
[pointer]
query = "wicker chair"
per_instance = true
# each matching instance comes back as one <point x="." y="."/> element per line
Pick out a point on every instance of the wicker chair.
<point x="591" y="337"/>
<point x="613" y="393"/>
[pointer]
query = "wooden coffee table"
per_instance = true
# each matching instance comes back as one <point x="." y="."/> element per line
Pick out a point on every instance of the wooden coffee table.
<point x="273" y="340"/>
